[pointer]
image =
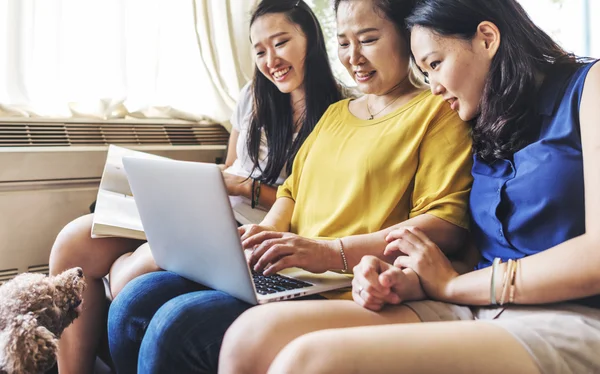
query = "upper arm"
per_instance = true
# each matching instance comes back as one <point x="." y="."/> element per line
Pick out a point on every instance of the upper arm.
<point x="239" y="121"/>
<point x="231" y="147"/>
<point x="590" y="141"/>
<point x="443" y="177"/>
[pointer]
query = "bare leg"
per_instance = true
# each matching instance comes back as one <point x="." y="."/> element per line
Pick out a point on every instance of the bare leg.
<point x="74" y="247"/>
<point x="440" y="347"/>
<point x="129" y="266"/>
<point x="250" y="344"/>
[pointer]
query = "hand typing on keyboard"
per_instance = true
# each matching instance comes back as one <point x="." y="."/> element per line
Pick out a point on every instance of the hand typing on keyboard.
<point x="275" y="251"/>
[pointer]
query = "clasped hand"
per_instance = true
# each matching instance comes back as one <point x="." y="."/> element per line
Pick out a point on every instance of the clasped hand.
<point x="273" y="251"/>
<point x="417" y="252"/>
<point x="377" y="283"/>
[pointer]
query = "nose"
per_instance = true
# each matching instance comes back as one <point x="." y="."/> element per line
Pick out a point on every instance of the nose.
<point x="436" y="88"/>
<point x="356" y="58"/>
<point x="272" y="59"/>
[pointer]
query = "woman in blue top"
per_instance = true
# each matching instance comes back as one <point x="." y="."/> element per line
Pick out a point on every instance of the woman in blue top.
<point x="532" y="305"/>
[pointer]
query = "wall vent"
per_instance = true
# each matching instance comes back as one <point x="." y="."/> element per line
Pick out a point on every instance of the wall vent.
<point x="7" y="274"/>
<point x="31" y="134"/>
<point x="42" y="269"/>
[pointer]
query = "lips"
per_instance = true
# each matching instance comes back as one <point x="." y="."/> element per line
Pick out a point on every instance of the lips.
<point x="363" y="76"/>
<point x="453" y="103"/>
<point x="280" y="74"/>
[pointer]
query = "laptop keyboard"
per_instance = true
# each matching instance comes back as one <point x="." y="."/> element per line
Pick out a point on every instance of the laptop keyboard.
<point x="276" y="283"/>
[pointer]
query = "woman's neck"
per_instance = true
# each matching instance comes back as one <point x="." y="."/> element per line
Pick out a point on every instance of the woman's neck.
<point x="378" y="101"/>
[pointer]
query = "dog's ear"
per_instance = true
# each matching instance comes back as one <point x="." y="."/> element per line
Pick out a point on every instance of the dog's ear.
<point x="26" y="347"/>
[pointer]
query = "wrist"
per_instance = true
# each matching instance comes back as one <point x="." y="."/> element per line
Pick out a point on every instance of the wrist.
<point x="414" y="289"/>
<point x="449" y="291"/>
<point x="269" y="226"/>
<point x="245" y="188"/>
<point x="336" y="260"/>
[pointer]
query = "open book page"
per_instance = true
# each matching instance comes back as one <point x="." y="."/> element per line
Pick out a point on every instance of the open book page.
<point x="113" y="177"/>
<point x="116" y="213"/>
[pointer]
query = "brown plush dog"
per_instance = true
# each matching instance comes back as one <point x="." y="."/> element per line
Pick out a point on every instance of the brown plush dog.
<point x="34" y="311"/>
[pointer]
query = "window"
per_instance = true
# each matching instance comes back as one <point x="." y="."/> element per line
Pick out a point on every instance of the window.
<point x="569" y="22"/>
<point x="324" y="12"/>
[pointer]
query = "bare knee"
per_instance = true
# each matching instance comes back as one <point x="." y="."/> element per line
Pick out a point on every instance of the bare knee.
<point x="69" y="246"/>
<point x="74" y="247"/>
<point x="129" y="266"/>
<point x="245" y="347"/>
<point x="313" y="353"/>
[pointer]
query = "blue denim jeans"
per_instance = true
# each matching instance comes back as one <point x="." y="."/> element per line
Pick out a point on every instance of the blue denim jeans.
<point x="163" y="323"/>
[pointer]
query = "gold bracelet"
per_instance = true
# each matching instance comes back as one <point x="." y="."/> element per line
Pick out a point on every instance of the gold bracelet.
<point x="345" y="269"/>
<point x="506" y="281"/>
<point x="513" y="278"/>
<point x="497" y="261"/>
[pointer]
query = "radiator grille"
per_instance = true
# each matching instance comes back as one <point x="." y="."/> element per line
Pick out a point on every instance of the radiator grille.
<point x="42" y="269"/>
<point x="86" y="134"/>
<point x="7" y="274"/>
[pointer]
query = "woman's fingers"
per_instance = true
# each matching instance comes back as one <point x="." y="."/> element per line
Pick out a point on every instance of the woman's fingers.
<point x="399" y="247"/>
<point x="259" y="237"/>
<point x="248" y="231"/>
<point x="405" y="262"/>
<point x="263" y="246"/>
<point x="422" y="237"/>
<point x="364" y="299"/>
<point x="282" y="263"/>
<point x="270" y="252"/>
<point x="367" y="274"/>
<point x="407" y="233"/>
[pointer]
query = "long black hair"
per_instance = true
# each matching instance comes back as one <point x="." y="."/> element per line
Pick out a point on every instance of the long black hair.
<point x="273" y="112"/>
<point x="507" y="121"/>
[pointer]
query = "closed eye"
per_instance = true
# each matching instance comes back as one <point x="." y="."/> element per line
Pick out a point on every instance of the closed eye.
<point x="281" y="43"/>
<point x="368" y="41"/>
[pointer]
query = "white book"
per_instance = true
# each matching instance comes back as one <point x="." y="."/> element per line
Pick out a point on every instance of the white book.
<point x="116" y="214"/>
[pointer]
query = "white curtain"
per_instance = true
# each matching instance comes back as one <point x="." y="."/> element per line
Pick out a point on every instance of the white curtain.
<point x="107" y="59"/>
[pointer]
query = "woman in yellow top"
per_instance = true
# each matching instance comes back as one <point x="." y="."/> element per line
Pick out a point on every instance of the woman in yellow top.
<point x="396" y="156"/>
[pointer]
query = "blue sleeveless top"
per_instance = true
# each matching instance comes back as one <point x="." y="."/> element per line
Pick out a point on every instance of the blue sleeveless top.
<point x="535" y="201"/>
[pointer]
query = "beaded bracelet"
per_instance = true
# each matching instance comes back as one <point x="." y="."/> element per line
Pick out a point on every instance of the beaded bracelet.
<point x="255" y="192"/>
<point x="511" y="298"/>
<point x="345" y="269"/>
<point x="252" y="190"/>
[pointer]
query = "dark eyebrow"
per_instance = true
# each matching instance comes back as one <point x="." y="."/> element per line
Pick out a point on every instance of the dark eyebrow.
<point x="360" y="32"/>
<point x="427" y="55"/>
<point x="273" y="37"/>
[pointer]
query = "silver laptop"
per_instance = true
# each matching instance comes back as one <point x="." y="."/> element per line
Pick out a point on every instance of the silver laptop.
<point x="191" y="230"/>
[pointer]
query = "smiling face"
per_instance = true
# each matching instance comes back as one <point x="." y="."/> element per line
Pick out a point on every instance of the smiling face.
<point x="456" y="69"/>
<point x="370" y="47"/>
<point x="280" y="51"/>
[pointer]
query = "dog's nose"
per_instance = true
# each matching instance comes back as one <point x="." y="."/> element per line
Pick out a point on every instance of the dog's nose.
<point x="80" y="273"/>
